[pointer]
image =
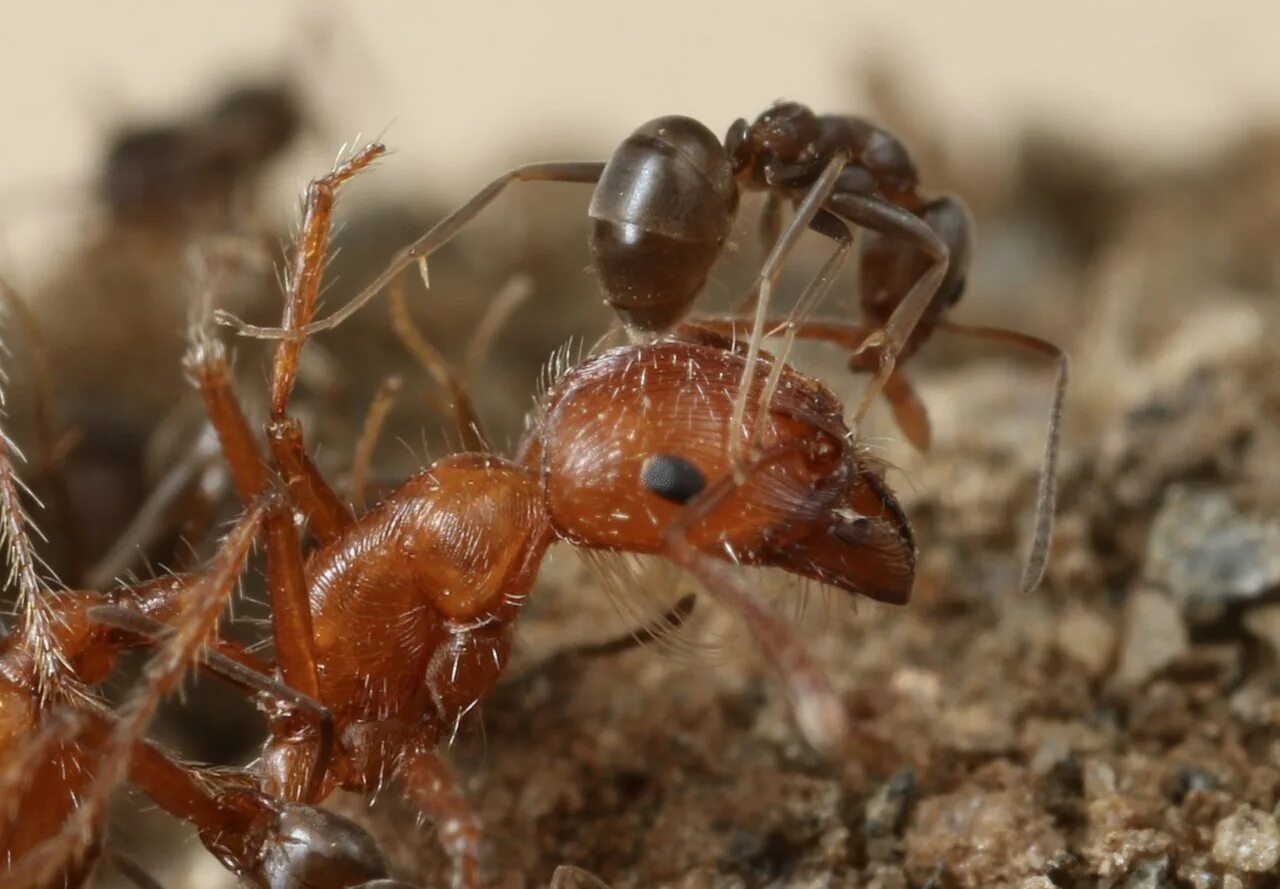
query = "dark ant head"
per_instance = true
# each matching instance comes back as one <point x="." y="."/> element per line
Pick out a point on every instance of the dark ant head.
<point x="145" y="169"/>
<point x="257" y="121"/>
<point x="782" y="135"/>
<point x="314" y="847"/>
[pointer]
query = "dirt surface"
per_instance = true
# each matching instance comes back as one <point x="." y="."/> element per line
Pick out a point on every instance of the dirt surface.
<point x="1119" y="727"/>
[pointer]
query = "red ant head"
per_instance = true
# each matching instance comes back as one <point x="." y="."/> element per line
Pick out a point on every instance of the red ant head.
<point x="782" y="135"/>
<point x="633" y="448"/>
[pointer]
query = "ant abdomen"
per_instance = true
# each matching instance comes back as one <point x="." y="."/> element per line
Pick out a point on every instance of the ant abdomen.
<point x="660" y="215"/>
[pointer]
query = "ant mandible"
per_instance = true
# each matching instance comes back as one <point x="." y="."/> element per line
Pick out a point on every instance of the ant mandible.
<point x="399" y="621"/>
<point x="665" y="203"/>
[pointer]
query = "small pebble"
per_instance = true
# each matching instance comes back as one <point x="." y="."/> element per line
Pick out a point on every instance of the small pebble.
<point x="1247" y="841"/>
<point x="1154" y="636"/>
<point x="1207" y="553"/>
<point x="1150" y="874"/>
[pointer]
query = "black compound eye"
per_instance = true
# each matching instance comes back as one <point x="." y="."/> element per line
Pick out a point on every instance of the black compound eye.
<point x="672" y="478"/>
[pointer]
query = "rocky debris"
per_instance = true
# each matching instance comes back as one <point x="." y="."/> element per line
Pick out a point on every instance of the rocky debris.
<point x="1154" y="636"/>
<point x="1207" y="554"/>
<point x="1248" y="842"/>
<point x="988" y="833"/>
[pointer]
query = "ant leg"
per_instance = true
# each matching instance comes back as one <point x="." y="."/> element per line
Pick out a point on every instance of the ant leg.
<point x="237" y="667"/>
<point x="834" y="228"/>
<point x="566" y="876"/>
<point x="38" y="603"/>
<point x="1046" y="497"/>
<point x="150" y="522"/>
<point x="769" y="272"/>
<point x="889" y="219"/>
<point x="374" y="420"/>
<point x="284" y="434"/>
<point x="437" y="366"/>
<point x="818" y="709"/>
<point x="586" y="172"/>
<point x="52" y="450"/>
<point x="286" y="582"/>
<point x="514" y="293"/>
<point x="202" y="605"/>
<point x="908" y="411"/>
<point x="434" y="789"/>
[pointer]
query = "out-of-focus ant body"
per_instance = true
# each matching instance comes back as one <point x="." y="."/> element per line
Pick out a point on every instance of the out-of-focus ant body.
<point x="665" y="203"/>
<point x="187" y="172"/>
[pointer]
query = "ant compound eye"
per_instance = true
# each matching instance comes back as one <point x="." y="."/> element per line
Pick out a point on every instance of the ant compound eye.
<point x="672" y="478"/>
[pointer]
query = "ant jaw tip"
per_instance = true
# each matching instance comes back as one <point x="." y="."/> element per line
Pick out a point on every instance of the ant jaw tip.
<point x="823" y="724"/>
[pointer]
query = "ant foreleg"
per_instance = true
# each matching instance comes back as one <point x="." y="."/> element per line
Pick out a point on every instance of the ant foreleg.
<point x="459" y="400"/>
<point x="290" y="607"/>
<point x="808" y="208"/>
<point x="908" y="411"/>
<point x="567" y="876"/>
<point x="202" y="605"/>
<point x="834" y="228"/>
<point x="242" y="671"/>
<point x="819" y="711"/>
<point x="434" y="789"/>
<point x="419" y="251"/>
<point x="370" y="433"/>
<point x="284" y="434"/>
<point x="889" y="219"/>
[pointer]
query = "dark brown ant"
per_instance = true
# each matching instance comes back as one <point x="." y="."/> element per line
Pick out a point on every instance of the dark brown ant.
<point x="187" y="171"/>
<point x="399" y="621"/>
<point x="665" y="203"/>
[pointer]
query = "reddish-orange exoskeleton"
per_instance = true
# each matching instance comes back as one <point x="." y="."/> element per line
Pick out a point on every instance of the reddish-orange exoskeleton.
<point x="662" y="211"/>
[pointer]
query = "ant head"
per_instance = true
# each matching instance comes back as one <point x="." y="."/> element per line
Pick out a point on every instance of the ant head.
<point x="637" y="437"/>
<point x="145" y="171"/>
<point x="783" y="134"/>
<point x="258" y="121"/>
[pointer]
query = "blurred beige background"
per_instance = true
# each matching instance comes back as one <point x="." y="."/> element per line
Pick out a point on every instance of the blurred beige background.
<point x="453" y="85"/>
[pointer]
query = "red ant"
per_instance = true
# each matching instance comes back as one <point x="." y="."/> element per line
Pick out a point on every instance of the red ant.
<point x="664" y="205"/>
<point x="400" y="620"/>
